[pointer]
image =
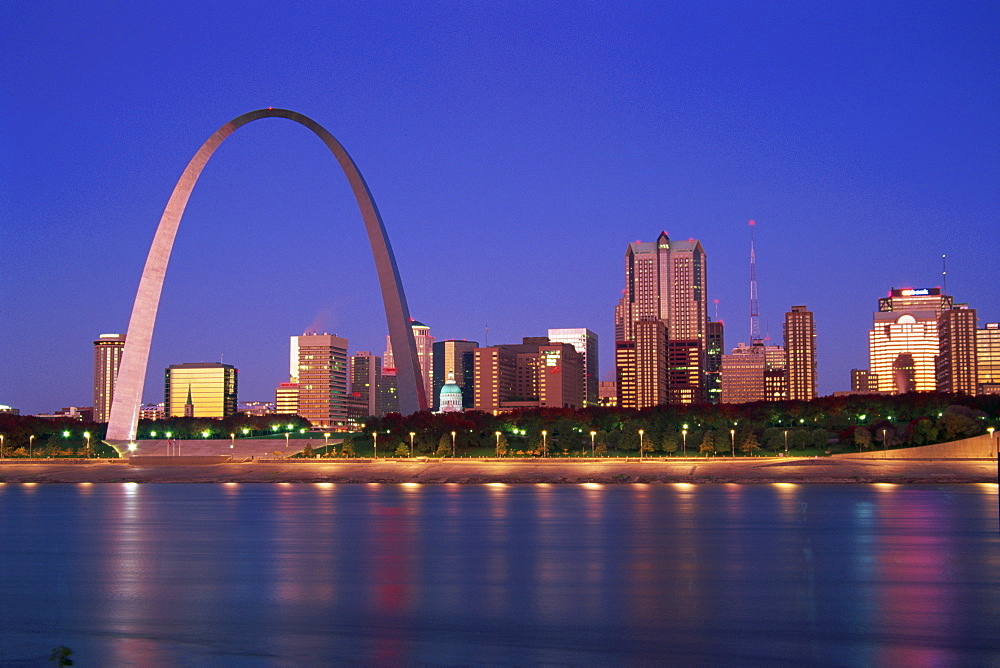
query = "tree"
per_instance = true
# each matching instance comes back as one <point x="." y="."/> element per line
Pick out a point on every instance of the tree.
<point x="862" y="438"/>
<point x="502" y="445"/>
<point x="444" y="445"/>
<point x="669" y="444"/>
<point x="646" y="447"/>
<point x="707" y="446"/>
<point x="774" y="439"/>
<point x="307" y="451"/>
<point x="402" y="450"/>
<point x="819" y="438"/>
<point x="60" y="656"/>
<point x="347" y="449"/>
<point x="748" y="443"/>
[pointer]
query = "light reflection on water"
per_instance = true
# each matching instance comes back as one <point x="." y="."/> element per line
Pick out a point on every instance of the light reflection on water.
<point x="250" y="574"/>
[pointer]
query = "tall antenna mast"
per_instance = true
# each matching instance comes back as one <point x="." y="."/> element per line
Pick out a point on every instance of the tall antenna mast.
<point x="944" y="274"/>
<point x="754" y="306"/>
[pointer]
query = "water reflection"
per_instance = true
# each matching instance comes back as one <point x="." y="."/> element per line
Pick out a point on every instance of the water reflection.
<point x="456" y="574"/>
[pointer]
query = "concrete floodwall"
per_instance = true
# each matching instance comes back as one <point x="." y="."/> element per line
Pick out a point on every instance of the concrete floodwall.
<point x="977" y="447"/>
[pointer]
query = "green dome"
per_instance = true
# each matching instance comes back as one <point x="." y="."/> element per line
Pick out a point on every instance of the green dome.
<point x="450" y="388"/>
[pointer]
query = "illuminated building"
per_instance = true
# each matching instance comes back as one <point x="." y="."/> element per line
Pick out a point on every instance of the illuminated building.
<point x="152" y="411"/>
<point x="536" y="373"/>
<point x="903" y="341"/>
<point x="286" y="399"/>
<point x="425" y="355"/>
<point x="457" y="358"/>
<point x="754" y="373"/>
<point x="366" y="374"/>
<point x="200" y="389"/>
<point x="625" y="374"/>
<point x="955" y="364"/>
<point x="715" y="344"/>
<point x="323" y="380"/>
<point x="258" y="408"/>
<point x="450" y="399"/>
<point x="107" y="358"/>
<point x="863" y="382"/>
<point x="666" y="281"/>
<point x="584" y="342"/>
<point x="800" y="354"/>
<point x="9" y="410"/>
<point x="607" y="393"/>
<point x="988" y="359"/>
<point x="388" y="392"/>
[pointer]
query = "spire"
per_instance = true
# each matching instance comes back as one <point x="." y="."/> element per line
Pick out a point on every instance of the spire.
<point x="754" y="306"/>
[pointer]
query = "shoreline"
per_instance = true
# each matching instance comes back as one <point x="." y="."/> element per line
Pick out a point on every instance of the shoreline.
<point x="691" y="470"/>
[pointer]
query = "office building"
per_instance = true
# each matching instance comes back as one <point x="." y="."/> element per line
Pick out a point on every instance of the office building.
<point x="286" y="399"/>
<point x="626" y="388"/>
<point x="988" y="359"/>
<point x="388" y="393"/>
<point x="535" y="373"/>
<point x="666" y="281"/>
<point x="425" y="355"/>
<point x="585" y="343"/>
<point x="366" y="374"/>
<point x="108" y="350"/>
<point x="863" y="382"/>
<point x="200" y="389"/>
<point x="650" y="364"/>
<point x="323" y="380"/>
<point x="715" y="344"/>
<point x="754" y="373"/>
<point x="955" y="364"/>
<point x="800" y="354"/>
<point x="453" y="357"/>
<point x="903" y="342"/>
<point x="607" y="393"/>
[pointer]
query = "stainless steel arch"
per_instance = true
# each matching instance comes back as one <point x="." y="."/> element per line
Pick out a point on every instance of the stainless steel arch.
<point x="132" y="371"/>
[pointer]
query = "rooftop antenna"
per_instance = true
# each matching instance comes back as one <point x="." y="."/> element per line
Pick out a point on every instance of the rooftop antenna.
<point x="944" y="274"/>
<point x="716" y="302"/>
<point x="487" y="342"/>
<point x="754" y="306"/>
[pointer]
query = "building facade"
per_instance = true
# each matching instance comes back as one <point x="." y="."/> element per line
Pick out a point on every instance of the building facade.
<point x="366" y="375"/>
<point x="425" y="355"/>
<point x="200" y="389"/>
<point x="323" y="380"/>
<point x="286" y="399"/>
<point x="535" y="373"/>
<point x="903" y="342"/>
<point x="800" y="353"/>
<point x="988" y="359"/>
<point x="108" y="350"/>
<point x="584" y="342"/>
<point x="715" y="345"/>
<point x="754" y="373"/>
<point x="955" y="365"/>
<point x="455" y="357"/>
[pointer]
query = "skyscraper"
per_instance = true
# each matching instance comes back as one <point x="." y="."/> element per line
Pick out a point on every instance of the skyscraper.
<point x="988" y="359"/>
<point x="903" y="341"/>
<point x="666" y="281"/>
<point x="200" y="389"/>
<point x="323" y="379"/>
<point x="454" y="357"/>
<point x="585" y="343"/>
<point x="366" y="374"/>
<point x="715" y="338"/>
<point x="425" y="355"/>
<point x="754" y="373"/>
<point x="534" y="373"/>
<point x="955" y="365"/>
<point x="107" y="357"/>
<point x="800" y="354"/>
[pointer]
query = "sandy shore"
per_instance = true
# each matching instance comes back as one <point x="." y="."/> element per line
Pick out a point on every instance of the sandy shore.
<point x="760" y="470"/>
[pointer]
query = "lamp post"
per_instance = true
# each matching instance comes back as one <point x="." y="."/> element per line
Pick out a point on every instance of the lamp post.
<point x="286" y="442"/>
<point x="990" y="430"/>
<point x="412" y="434"/>
<point x="87" y="436"/>
<point x="326" y="443"/>
<point x="883" y="443"/>
<point x="1" y="446"/>
<point x="641" y="432"/>
<point x="232" y="441"/>
<point x="498" y="443"/>
<point x="592" y="435"/>
<point x="684" y="441"/>
<point x="375" y="445"/>
<point x="453" y="445"/>
<point x="545" y="443"/>
<point x="31" y="440"/>
<point x="786" y="442"/>
<point x="732" y="438"/>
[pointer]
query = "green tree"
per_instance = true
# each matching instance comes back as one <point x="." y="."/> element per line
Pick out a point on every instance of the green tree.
<point x="402" y="450"/>
<point x="707" y="446"/>
<point x="748" y="443"/>
<point x="862" y="438"/>
<point x="669" y="444"/>
<point x="347" y="449"/>
<point x="307" y="451"/>
<point x="819" y="438"/>
<point x="60" y="656"/>
<point x="501" y="445"/>
<point x="774" y="439"/>
<point x="444" y="445"/>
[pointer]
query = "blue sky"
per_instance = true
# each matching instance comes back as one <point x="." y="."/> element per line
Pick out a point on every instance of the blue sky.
<point x="513" y="148"/>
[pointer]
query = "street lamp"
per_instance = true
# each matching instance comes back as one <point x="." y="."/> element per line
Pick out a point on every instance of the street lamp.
<point x="232" y="441"/>
<point x="87" y="435"/>
<point x="883" y="443"/>
<point x="286" y="442"/>
<point x="732" y="437"/>
<point x="412" y="434"/>
<point x="592" y="435"/>
<point x="641" y="432"/>
<point x="375" y="445"/>
<point x="1" y="446"/>
<point x="786" y="442"/>
<point x="31" y="440"/>
<point x="498" y="443"/>
<point x="545" y="443"/>
<point x="684" y="438"/>
<point x="453" y="444"/>
<point x="990" y="430"/>
<point x="326" y="443"/>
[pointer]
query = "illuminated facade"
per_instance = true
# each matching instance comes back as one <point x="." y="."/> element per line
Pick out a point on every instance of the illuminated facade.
<point x="800" y="354"/>
<point x="715" y="338"/>
<point x="607" y="393"/>
<point x="536" y="373"/>
<point x="988" y="359"/>
<point x="625" y="375"/>
<point x="200" y="389"/>
<point x="754" y="373"/>
<point x="584" y="342"/>
<point x="425" y="354"/>
<point x="107" y="358"/>
<point x="863" y="382"/>
<point x="450" y="399"/>
<point x="388" y="393"/>
<point x="903" y="342"/>
<point x="323" y="380"/>
<point x="458" y="358"/>
<point x="955" y="365"/>
<point x="286" y="399"/>
<point x="666" y="281"/>
<point x="366" y="374"/>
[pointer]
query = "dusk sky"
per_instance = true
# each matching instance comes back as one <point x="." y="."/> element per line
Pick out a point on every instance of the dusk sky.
<point x="513" y="149"/>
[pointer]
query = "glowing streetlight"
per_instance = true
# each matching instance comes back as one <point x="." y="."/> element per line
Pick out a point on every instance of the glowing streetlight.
<point x="684" y="440"/>
<point x="232" y="441"/>
<point x="497" y="434"/>
<point x="1" y="446"/>
<point x="31" y="440"/>
<point x="786" y="442"/>
<point x="990" y="430"/>
<point x="592" y="435"/>
<point x="412" y="434"/>
<point x="452" y="444"/>
<point x="732" y="437"/>
<point x="545" y="443"/>
<point x="86" y="435"/>
<point x="326" y="443"/>
<point x="375" y="444"/>
<point x="286" y="441"/>
<point x="641" y="432"/>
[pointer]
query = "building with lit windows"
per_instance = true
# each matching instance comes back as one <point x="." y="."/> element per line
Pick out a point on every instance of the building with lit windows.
<point x="863" y="382"/>
<point x="903" y="342"/>
<point x="366" y="374"/>
<point x="108" y="350"/>
<point x="454" y="357"/>
<point x="754" y="373"/>
<point x="200" y="389"/>
<point x="800" y="354"/>
<point x="323" y="380"/>
<point x="425" y="355"/>
<point x="666" y="281"/>
<point x="607" y="393"/>
<point x="584" y="342"/>
<point x="988" y="359"/>
<point x="535" y="373"/>
<point x="286" y="399"/>
<point x="715" y="344"/>
<point x="388" y="392"/>
<point x="955" y="364"/>
<point x="450" y="399"/>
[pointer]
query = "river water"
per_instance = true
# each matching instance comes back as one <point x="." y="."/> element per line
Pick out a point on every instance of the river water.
<point x="323" y="574"/>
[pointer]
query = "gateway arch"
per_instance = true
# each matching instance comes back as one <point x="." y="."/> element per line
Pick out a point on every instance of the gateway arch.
<point x="132" y="370"/>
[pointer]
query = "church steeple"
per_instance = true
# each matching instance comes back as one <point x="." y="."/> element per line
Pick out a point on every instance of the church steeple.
<point x="189" y="404"/>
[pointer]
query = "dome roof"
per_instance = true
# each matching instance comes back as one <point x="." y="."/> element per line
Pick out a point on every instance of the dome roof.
<point x="450" y="388"/>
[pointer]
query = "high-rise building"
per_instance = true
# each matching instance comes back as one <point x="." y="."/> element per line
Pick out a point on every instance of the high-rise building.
<point x="366" y="374"/>
<point x="454" y="357"/>
<point x="715" y="344"/>
<point x="754" y="373"/>
<point x="988" y="359"/>
<point x="286" y="399"/>
<point x="863" y="381"/>
<point x="425" y="354"/>
<point x="955" y="365"/>
<point x="323" y="379"/>
<point x="107" y="358"/>
<point x="200" y="389"/>
<point x="800" y="354"/>
<point x="650" y="363"/>
<point x="626" y="387"/>
<point x="585" y="343"/>
<point x="535" y="373"/>
<point x="388" y="392"/>
<point x="903" y="341"/>
<point x="666" y="281"/>
<point x="607" y="393"/>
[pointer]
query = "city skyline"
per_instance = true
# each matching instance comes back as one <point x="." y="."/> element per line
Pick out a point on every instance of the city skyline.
<point x="862" y="144"/>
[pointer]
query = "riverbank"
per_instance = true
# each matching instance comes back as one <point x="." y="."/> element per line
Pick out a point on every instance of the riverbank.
<point x="532" y="471"/>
